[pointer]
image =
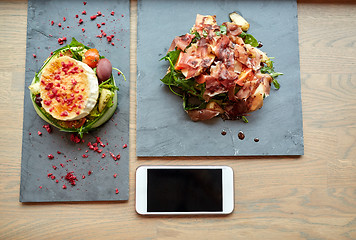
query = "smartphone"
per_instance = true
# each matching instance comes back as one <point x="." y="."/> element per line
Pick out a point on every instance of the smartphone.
<point x="176" y="190"/>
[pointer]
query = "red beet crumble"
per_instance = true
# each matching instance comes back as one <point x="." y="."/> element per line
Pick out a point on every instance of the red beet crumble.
<point x="48" y="128"/>
<point x="71" y="178"/>
<point x="75" y="138"/>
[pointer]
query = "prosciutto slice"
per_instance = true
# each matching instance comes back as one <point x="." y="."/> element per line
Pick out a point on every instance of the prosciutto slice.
<point x="181" y="42"/>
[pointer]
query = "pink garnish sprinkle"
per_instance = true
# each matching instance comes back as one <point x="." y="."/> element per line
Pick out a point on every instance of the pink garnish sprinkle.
<point x="47" y="127"/>
<point x="40" y="187"/>
<point x="74" y="138"/>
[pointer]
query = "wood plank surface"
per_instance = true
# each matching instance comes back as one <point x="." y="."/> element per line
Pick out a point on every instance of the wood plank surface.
<point x="308" y="197"/>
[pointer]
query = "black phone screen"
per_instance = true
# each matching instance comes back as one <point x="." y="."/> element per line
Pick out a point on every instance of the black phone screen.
<point x="184" y="190"/>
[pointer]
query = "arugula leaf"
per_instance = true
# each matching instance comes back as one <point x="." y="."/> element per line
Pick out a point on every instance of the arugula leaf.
<point x="244" y="119"/>
<point x="196" y="103"/>
<point x="269" y="68"/>
<point x="177" y="79"/>
<point x="249" y="39"/>
<point x="223" y="29"/>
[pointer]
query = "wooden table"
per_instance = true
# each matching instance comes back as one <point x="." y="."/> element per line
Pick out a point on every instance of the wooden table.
<point x="308" y="197"/>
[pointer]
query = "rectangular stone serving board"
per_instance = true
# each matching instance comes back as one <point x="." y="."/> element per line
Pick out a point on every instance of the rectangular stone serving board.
<point x="95" y="174"/>
<point x="163" y="127"/>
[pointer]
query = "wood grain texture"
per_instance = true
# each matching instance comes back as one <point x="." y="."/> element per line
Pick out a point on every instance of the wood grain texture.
<point x="309" y="197"/>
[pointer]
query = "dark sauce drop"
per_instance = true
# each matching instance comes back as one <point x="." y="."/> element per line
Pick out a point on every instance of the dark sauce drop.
<point x="38" y="100"/>
<point x="256" y="140"/>
<point x="223" y="132"/>
<point x="241" y="135"/>
<point x="259" y="44"/>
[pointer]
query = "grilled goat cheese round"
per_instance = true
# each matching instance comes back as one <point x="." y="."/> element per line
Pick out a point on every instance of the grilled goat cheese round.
<point x="68" y="88"/>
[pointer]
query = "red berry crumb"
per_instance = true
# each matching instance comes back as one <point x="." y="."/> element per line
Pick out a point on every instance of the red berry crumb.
<point x="112" y="13"/>
<point x="49" y="174"/>
<point x="71" y="178"/>
<point x="50" y="156"/>
<point x="75" y="138"/>
<point x="112" y="43"/>
<point x="59" y="25"/>
<point x="124" y="146"/>
<point x="102" y="23"/>
<point x="85" y="3"/>
<point x="83" y="176"/>
<point x="39" y="133"/>
<point x="93" y="17"/>
<point x="83" y="29"/>
<point x="64" y="186"/>
<point x="53" y="177"/>
<point x="80" y="21"/>
<point x="117" y="191"/>
<point x="76" y="16"/>
<point x="34" y="55"/>
<point x="89" y="173"/>
<point x="58" y="152"/>
<point x="57" y="181"/>
<point x="99" y="13"/>
<point x="115" y="175"/>
<point x="48" y="128"/>
<point x="98" y="25"/>
<point x="84" y="12"/>
<point x="64" y="19"/>
<point x="40" y="187"/>
<point x="54" y="167"/>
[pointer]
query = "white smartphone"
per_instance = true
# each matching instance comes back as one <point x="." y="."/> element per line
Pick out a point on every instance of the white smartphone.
<point x="176" y="190"/>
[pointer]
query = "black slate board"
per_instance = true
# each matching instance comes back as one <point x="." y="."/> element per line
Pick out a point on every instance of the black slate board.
<point x="100" y="185"/>
<point x="164" y="129"/>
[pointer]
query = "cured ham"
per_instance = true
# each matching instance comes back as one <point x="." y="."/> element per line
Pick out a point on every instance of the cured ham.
<point x="181" y="42"/>
<point x="224" y="71"/>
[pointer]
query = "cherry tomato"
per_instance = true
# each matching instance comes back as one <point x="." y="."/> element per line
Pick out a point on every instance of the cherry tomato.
<point x="91" y="57"/>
